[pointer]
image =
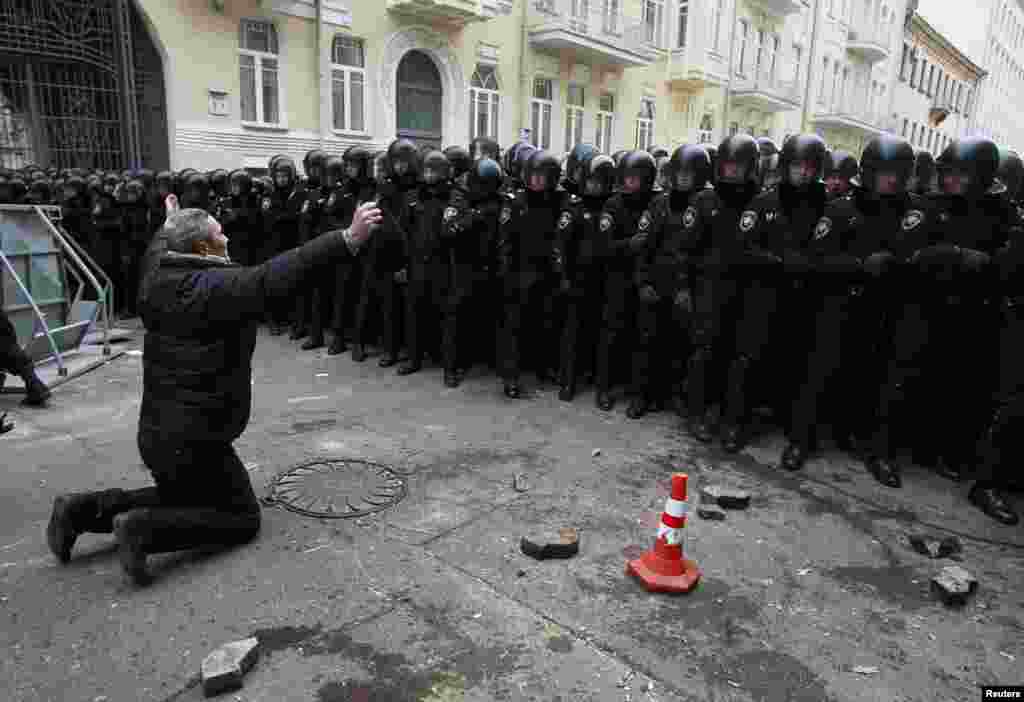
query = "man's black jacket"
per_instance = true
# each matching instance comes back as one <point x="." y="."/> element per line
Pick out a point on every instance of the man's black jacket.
<point x="201" y="315"/>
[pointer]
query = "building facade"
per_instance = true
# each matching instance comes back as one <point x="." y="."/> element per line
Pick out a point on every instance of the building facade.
<point x="1001" y="52"/>
<point x="936" y="90"/>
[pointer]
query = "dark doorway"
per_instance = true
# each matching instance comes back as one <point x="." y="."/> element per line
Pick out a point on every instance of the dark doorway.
<point x="419" y="100"/>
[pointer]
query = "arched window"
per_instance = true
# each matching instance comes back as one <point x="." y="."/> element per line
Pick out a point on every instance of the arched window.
<point x="484" y="103"/>
<point x="258" y="65"/>
<point x="348" y="83"/>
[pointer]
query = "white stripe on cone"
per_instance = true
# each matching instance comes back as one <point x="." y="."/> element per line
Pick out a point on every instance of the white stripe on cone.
<point x="673" y="537"/>
<point x="676" y="508"/>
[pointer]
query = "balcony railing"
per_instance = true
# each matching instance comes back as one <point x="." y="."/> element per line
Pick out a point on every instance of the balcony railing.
<point x="766" y="87"/>
<point x="591" y="27"/>
<point x="869" y="41"/>
<point x="458" y="11"/>
<point x="851" y="116"/>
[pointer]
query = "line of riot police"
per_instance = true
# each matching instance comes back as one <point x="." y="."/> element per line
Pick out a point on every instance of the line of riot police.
<point x="877" y="303"/>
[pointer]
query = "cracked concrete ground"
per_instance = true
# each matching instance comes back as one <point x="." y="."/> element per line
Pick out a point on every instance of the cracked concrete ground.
<point x="432" y="601"/>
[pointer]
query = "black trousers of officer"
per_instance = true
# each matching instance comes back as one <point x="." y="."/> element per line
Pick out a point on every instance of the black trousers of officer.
<point x="425" y="297"/>
<point x="756" y="327"/>
<point x="1000" y="449"/>
<point x="670" y="349"/>
<point x="717" y="304"/>
<point x="648" y="361"/>
<point x="133" y="253"/>
<point x="458" y="325"/>
<point x="582" y="327"/>
<point x="202" y="497"/>
<point x="486" y="308"/>
<point x="348" y="284"/>
<point x="618" y="321"/>
<point x="527" y="327"/>
<point x="379" y="314"/>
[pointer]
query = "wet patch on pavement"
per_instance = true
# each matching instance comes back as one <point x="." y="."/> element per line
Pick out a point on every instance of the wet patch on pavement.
<point x="767" y="676"/>
<point x="898" y="584"/>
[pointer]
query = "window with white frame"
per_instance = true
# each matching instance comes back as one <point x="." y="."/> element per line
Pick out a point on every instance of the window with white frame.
<point x="258" y="66"/>
<point x="762" y="38"/>
<point x="540" y="112"/>
<point x="653" y="17"/>
<point x="645" y="124"/>
<point x="348" y="84"/>
<point x="741" y="58"/>
<point x="484" y="103"/>
<point x="684" y="17"/>
<point x="605" y="123"/>
<point x="575" y="100"/>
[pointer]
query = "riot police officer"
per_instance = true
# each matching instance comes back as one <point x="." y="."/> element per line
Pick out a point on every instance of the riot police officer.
<point x="427" y="271"/>
<point x="313" y="308"/>
<point x="135" y="226"/>
<point x="627" y="223"/>
<point x="280" y="219"/>
<point x="840" y="170"/>
<point x="196" y="192"/>
<point x="240" y="219"/>
<point x="584" y="245"/>
<point x="107" y="234"/>
<point x="529" y="261"/>
<point x="721" y="214"/>
<point x="484" y="147"/>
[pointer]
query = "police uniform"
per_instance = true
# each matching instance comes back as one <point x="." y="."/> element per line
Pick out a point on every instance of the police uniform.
<point x="339" y="208"/>
<point x="428" y="274"/>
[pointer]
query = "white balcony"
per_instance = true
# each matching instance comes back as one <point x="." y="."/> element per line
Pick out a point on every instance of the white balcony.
<point x="779" y="8"/>
<point x="764" y="90"/>
<point x="868" y="123"/>
<point x="452" y="11"/>
<point x="593" y="29"/>
<point x="693" y="68"/>
<point x="868" y="42"/>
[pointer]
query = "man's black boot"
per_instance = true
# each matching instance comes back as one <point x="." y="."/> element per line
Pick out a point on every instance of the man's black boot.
<point x="77" y="513"/>
<point x="794" y="457"/>
<point x="451" y="378"/>
<point x="732" y="438"/>
<point x="312" y="342"/>
<point x="410" y="367"/>
<point x="337" y="346"/>
<point x="990" y="501"/>
<point x="566" y="392"/>
<point x="131" y="542"/>
<point x="512" y="390"/>
<point x="637" y="408"/>
<point x="298" y="333"/>
<point x="885" y="471"/>
<point x="702" y="427"/>
<point x="358" y="353"/>
<point x="388" y="360"/>
<point x="605" y="401"/>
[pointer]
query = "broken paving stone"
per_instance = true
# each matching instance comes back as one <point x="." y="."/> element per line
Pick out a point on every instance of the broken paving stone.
<point x="224" y="669"/>
<point x="865" y="669"/>
<point x="711" y="513"/>
<point x="933" y="547"/>
<point x="519" y="482"/>
<point x="595" y="453"/>
<point x="726" y="498"/>
<point x="954" y="585"/>
<point x="544" y="546"/>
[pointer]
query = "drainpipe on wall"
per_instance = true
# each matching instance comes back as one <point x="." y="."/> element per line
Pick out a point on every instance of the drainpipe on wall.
<point x="522" y="73"/>
<point x="732" y="57"/>
<point x="324" y="115"/>
<point x="805" y="115"/>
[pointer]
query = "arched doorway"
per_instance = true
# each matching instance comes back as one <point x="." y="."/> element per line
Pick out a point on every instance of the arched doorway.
<point x="419" y="100"/>
<point x="81" y="85"/>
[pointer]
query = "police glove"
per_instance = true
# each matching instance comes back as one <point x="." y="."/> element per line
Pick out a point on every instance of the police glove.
<point x="637" y="242"/>
<point x="402" y="276"/>
<point x="879" y="264"/>
<point x="649" y="294"/>
<point x="684" y="301"/>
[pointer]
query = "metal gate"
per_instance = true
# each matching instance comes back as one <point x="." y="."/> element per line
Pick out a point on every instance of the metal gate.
<point x="81" y="86"/>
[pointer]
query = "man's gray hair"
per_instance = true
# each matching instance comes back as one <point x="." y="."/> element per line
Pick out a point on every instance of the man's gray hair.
<point x="184" y="228"/>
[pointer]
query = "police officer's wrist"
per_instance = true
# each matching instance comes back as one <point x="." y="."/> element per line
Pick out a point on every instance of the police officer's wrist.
<point x="352" y="244"/>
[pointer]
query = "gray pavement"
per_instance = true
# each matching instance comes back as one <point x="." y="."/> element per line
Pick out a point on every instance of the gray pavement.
<point x="432" y="601"/>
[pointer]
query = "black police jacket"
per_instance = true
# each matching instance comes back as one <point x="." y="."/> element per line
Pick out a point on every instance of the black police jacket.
<point x="201" y="315"/>
<point x="679" y="243"/>
<point x="778" y="227"/>
<point x="471" y="230"/>
<point x="619" y="223"/>
<point x="424" y="241"/>
<point x="583" y="243"/>
<point x="528" y="241"/>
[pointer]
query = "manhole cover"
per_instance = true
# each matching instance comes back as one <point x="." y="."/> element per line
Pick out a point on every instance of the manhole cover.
<point x="337" y="488"/>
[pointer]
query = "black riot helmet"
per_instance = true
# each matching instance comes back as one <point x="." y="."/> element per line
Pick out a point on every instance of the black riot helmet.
<point x="197" y="191"/>
<point x="273" y="162"/>
<point x="542" y="172"/>
<point x="658" y="152"/>
<point x="164" y="184"/>
<point x="637" y="165"/>
<point x="576" y="166"/>
<point x="886" y="166"/>
<point x="219" y="182"/>
<point x="359" y="165"/>
<point x="39" y="192"/>
<point x="974" y="161"/>
<point x="738" y="160"/>
<point x="484" y="147"/>
<point x="74" y="187"/>
<point x="283" y="173"/>
<point x="841" y="168"/>
<point x="264" y="186"/>
<point x="689" y="168"/>
<point x="146" y="176"/>
<point x="313" y="167"/>
<point x="16" y="190"/>
<point x="600" y="180"/>
<point x="110" y="182"/>
<point x="516" y="159"/>
<point x="334" y="172"/>
<point x="239" y="183"/>
<point x="133" y="193"/>
<point x="437" y="169"/>
<point x="461" y="162"/>
<point x="485" y="180"/>
<point x="1011" y="172"/>
<point x="802" y="160"/>
<point x="405" y="161"/>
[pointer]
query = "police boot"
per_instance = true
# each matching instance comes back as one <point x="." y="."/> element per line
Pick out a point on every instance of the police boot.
<point x="512" y="389"/>
<point x="637" y="407"/>
<point x="733" y="435"/>
<point x="313" y="342"/>
<point x="733" y="438"/>
<point x="567" y="392"/>
<point x="605" y="401"/>
<point x="990" y="501"/>
<point x="358" y="353"/>
<point x="298" y="332"/>
<point x="36" y="392"/>
<point x="702" y="427"/>
<point x="794" y="457"/>
<point x="411" y="366"/>
<point x="389" y="360"/>
<point x="885" y="471"/>
<point x="451" y="378"/>
<point x="337" y="346"/>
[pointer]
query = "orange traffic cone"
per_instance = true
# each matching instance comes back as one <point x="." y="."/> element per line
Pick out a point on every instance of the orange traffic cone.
<point x="664" y="568"/>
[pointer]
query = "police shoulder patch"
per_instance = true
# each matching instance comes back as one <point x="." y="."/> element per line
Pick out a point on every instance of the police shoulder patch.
<point x="564" y="220"/>
<point x="747" y="220"/>
<point x="266" y="203"/>
<point x="606" y="222"/>
<point x="332" y="199"/>
<point x="690" y="216"/>
<point x="645" y="221"/>
<point x="911" y="219"/>
<point x="506" y="214"/>
<point x="823" y="228"/>
<point x="450" y="213"/>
